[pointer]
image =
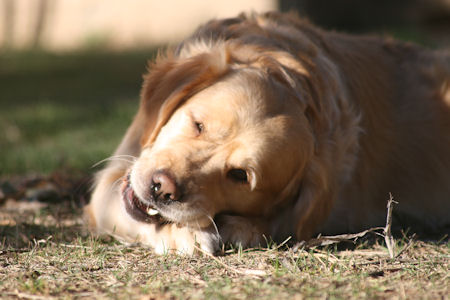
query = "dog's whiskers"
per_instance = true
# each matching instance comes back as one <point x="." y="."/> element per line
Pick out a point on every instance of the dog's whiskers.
<point x="125" y="158"/>
<point x="215" y="226"/>
<point x="116" y="183"/>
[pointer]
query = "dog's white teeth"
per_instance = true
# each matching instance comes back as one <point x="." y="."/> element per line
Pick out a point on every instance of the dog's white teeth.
<point x="152" y="212"/>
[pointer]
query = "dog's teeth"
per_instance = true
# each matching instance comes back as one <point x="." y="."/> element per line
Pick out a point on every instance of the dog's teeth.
<point x="152" y="212"/>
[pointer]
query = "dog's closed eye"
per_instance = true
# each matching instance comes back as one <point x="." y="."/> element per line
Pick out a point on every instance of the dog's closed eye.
<point x="238" y="175"/>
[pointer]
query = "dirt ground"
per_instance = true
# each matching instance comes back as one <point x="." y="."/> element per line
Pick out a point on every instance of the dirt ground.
<point x="47" y="253"/>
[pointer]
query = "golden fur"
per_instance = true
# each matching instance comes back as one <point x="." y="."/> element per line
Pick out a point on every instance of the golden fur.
<point x="324" y="126"/>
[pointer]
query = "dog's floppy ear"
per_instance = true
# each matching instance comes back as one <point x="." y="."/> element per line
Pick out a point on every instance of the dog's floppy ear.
<point x="334" y="127"/>
<point x="173" y="80"/>
<point x="316" y="198"/>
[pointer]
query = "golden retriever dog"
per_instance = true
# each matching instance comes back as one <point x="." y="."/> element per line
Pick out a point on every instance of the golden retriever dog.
<point x="264" y="127"/>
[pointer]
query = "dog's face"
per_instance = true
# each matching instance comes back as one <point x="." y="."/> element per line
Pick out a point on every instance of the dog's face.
<point x="232" y="147"/>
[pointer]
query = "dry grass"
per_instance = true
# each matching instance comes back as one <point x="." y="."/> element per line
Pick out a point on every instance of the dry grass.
<point x="46" y="253"/>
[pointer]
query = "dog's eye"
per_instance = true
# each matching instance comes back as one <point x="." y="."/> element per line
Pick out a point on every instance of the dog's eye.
<point x="199" y="126"/>
<point x="238" y="175"/>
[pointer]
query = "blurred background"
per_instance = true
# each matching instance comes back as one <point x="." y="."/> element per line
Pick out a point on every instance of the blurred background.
<point x="70" y="70"/>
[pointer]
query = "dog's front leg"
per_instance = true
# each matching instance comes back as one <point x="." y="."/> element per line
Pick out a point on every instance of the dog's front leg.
<point x="242" y="231"/>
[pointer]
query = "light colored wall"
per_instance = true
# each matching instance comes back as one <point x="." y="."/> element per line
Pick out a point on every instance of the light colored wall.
<point x="119" y="24"/>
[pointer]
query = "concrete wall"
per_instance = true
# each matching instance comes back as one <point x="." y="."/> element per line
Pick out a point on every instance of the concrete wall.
<point x="71" y="24"/>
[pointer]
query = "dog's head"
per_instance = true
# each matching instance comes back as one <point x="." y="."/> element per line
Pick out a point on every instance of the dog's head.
<point x="218" y="136"/>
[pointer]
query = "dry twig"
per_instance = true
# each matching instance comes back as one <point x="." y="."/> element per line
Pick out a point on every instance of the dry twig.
<point x="387" y="230"/>
<point x="352" y="237"/>
<point x="333" y="239"/>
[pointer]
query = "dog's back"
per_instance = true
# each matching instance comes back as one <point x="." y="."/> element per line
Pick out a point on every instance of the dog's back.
<point x="403" y="94"/>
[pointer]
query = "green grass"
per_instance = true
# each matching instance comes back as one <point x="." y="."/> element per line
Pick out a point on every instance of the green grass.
<point x="65" y="110"/>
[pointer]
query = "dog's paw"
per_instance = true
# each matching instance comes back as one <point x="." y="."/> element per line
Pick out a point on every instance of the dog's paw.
<point x="241" y="231"/>
<point x="187" y="241"/>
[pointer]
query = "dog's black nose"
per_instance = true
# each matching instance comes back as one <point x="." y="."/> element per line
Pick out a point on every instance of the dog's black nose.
<point x="163" y="187"/>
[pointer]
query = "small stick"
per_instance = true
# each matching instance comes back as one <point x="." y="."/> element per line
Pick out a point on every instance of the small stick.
<point x="333" y="239"/>
<point x="387" y="230"/>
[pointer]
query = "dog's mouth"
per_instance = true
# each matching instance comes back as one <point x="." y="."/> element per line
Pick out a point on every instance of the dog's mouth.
<point x="149" y="213"/>
<point x="137" y="209"/>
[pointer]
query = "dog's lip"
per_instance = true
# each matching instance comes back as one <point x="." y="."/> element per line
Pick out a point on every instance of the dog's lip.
<point x="147" y="212"/>
<point x="138" y="210"/>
